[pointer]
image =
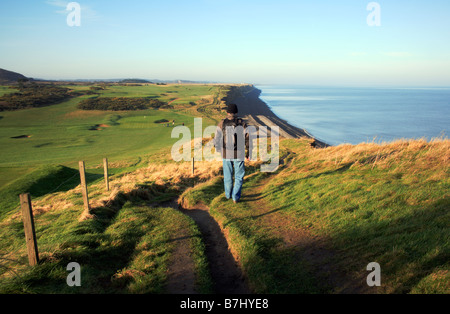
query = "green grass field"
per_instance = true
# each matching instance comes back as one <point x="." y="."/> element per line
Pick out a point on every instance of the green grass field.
<point x="6" y="90"/>
<point x="129" y="244"/>
<point x="62" y="134"/>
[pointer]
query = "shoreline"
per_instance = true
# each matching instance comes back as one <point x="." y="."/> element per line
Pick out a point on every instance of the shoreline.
<point x="258" y="113"/>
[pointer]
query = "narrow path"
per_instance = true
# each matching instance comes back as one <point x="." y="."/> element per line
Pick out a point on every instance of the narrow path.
<point x="181" y="278"/>
<point x="225" y="272"/>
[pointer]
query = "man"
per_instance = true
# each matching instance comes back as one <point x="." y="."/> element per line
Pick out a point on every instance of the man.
<point x="232" y="141"/>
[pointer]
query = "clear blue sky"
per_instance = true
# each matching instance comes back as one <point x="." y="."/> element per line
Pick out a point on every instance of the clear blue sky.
<point x="314" y="42"/>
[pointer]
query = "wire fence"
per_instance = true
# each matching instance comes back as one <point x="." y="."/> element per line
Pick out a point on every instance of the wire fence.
<point x="27" y="211"/>
<point x="63" y="183"/>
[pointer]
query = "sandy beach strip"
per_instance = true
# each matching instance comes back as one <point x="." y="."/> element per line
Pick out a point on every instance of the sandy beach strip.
<point x="258" y="113"/>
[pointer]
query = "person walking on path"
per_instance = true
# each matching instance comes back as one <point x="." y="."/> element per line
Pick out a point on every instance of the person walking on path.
<point x="232" y="141"/>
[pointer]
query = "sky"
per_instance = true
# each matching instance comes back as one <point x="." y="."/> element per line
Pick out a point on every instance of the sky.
<point x="313" y="42"/>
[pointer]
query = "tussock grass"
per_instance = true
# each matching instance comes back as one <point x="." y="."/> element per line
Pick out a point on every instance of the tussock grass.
<point x="125" y="246"/>
<point x="385" y="203"/>
<point x="377" y="202"/>
<point x="123" y="251"/>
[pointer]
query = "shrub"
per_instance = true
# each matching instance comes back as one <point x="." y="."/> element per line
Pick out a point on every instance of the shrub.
<point x="121" y="104"/>
<point x="34" y="95"/>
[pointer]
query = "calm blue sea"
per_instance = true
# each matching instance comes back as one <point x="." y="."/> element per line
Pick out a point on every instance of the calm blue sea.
<point x="355" y="115"/>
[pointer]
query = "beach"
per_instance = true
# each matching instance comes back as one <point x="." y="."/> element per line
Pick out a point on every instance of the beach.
<point x="258" y="113"/>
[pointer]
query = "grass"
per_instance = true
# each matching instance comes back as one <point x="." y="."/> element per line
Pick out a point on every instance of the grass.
<point x="38" y="183"/>
<point x="125" y="248"/>
<point x="6" y="90"/>
<point x="386" y="203"/>
<point x="74" y="138"/>
<point x="125" y="251"/>
<point x="62" y="134"/>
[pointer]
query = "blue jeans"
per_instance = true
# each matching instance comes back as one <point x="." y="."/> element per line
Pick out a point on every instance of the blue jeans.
<point x="239" y="173"/>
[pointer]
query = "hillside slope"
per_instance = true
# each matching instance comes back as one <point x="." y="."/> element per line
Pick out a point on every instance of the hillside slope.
<point x="326" y="214"/>
<point x="7" y="77"/>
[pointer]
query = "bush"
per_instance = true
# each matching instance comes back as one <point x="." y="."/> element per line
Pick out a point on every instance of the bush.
<point x="34" y="95"/>
<point x="121" y="104"/>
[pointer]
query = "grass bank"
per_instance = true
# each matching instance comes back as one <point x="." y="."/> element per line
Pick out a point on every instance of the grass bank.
<point x="126" y="247"/>
<point x="358" y="204"/>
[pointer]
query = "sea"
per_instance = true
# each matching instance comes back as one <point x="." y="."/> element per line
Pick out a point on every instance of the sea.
<point x="340" y="115"/>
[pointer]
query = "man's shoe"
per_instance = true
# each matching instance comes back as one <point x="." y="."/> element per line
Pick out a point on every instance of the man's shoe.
<point x="234" y="201"/>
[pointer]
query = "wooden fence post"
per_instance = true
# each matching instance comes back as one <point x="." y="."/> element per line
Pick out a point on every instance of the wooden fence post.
<point x="193" y="166"/>
<point x="28" y="224"/>
<point x="105" y="169"/>
<point x="84" y="190"/>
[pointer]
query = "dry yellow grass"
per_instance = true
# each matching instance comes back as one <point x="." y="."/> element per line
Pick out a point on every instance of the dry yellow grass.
<point x="50" y="203"/>
<point x="415" y="155"/>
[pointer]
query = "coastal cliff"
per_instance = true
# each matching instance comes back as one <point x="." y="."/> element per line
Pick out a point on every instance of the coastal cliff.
<point x="258" y="113"/>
